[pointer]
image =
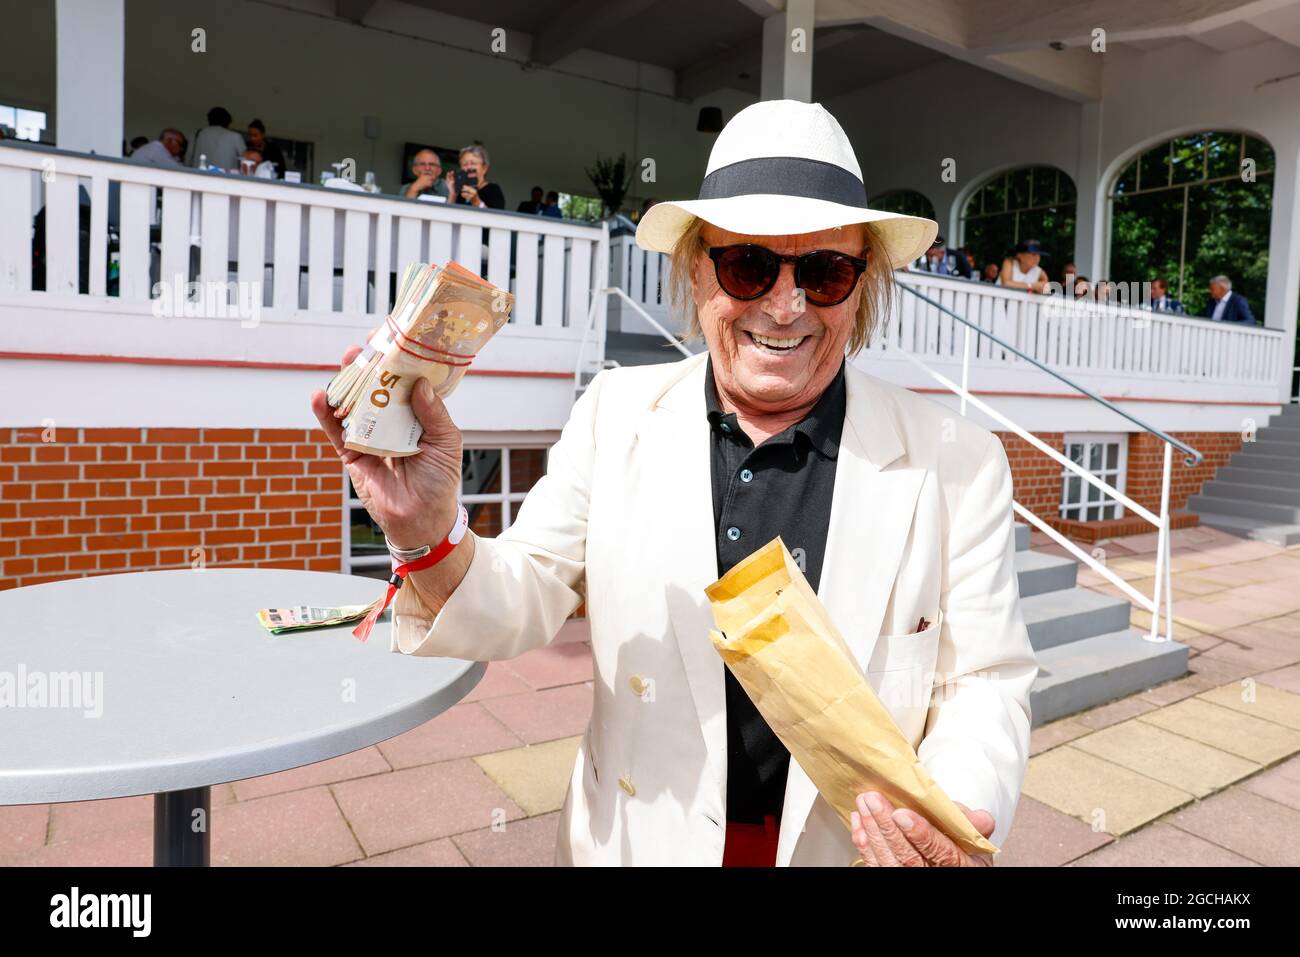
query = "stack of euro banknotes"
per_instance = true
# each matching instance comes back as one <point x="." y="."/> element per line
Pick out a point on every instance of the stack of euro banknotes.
<point x="443" y="316"/>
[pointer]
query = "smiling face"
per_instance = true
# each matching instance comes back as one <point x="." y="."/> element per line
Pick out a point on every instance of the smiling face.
<point x="473" y="164"/>
<point x="779" y="352"/>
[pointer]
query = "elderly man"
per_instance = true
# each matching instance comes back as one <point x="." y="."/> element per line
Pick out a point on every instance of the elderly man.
<point x="166" y="150"/>
<point x="426" y="167"/>
<point x="941" y="260"/>
<point x="668" y="475"/>
<point x="1226" y="306"/>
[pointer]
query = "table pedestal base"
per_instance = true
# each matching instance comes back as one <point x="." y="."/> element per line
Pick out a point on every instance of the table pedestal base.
<point x="180" y="833"/>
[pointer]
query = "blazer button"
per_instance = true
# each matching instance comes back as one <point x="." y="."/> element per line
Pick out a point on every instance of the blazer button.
<point x="626" y="785"/>
<point x="638" y="684"/>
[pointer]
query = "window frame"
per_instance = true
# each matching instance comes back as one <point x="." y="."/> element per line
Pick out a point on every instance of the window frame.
<point x="1120" y="476"/>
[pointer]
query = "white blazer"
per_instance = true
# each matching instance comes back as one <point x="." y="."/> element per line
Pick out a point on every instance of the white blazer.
<point x="920" y="526"/>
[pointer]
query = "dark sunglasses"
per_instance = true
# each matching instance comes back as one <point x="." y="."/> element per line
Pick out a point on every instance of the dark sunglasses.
<point x="747" y="271"/>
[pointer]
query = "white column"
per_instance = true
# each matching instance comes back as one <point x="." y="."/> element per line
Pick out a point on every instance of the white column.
<point x="1090" y="210"/>
<point x="91" y="56"/>
<point x="1283" y="290"/>
<point x="788" y="52"/>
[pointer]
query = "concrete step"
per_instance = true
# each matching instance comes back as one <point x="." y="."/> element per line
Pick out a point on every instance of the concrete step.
<point x="1244" y="476"/>
<point x="1252" y="493"/>
<point x="1038" y="572"/>
<point x="1058" y="617"/>
<point x="1264" y="446"/>
<point x="1249" y="458"/>
<point x="1085" y="673"/>
<point x="1253" y="528"/>
<point x="1277" y="432"/>
<point x="1277" y="514"/>
<point x="1022" y="536"/>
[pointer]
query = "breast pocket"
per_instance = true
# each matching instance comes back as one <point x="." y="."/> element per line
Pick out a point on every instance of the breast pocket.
<point x="901" y="672"/>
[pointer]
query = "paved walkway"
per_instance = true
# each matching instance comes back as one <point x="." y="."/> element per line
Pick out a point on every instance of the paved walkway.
<point x="1202" y="770"/>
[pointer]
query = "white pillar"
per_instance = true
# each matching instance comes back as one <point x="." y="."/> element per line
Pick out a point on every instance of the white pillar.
<point x="91" y="57"/>
<point x="1283" y="290"/>
<point x="788" y="52"/>
<point x="1090" y="209"/>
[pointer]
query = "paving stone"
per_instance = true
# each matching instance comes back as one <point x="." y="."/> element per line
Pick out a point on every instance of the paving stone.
<point x="354" y="765"/>
<point x="415" y="805"/>
<point x="536" y="776"/>
<point x="527" y="843"/>
<point x="1098" y="792"/>
<point x="461" y="731"/>
<point x="1150" y="750"/>
<point x="1269" y="703"/>
<point x="1177" y="690"/>
<point x="439" y="853"/>
<point x="130" y="846"/>
<point x="1246" y="823"/>
<point x="80" y="818"/>
<point x="545" y="715"/>
<point x="1054" y="734"/>
<point x="1288" y="678"/>
<point x="22" y="828"/>
<point x="1280" y="783"/>
<point x="1161" y="845"/>
<point x="496" y="682"/>
<point x="558" y="664"/>
<point x="298" y="828"/>
<point x="1114" y="712"/>
<point x="1042" y="836"/>
<point x="1252" y="738"/>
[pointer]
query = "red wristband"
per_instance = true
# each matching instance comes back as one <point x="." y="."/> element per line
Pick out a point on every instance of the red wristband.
<point x="398" y="578"/>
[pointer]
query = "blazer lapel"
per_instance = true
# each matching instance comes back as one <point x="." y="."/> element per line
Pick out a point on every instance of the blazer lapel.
<point x="673" y="438"/>
<point x="871" y="516"/>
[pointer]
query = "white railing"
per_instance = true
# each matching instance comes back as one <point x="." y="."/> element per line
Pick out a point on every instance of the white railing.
<point x="1115" y="348"/>
<point x="302" y="257"/>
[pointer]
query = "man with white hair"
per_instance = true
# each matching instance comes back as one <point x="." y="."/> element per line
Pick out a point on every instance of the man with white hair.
<point x="1225" y="305"/>
<point x="667" y="476"/>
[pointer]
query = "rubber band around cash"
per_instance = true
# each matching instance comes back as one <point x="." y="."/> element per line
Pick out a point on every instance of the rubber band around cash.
<point x="420" y="345"/>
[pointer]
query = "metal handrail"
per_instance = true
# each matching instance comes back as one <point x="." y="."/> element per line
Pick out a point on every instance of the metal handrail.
<point x="1194" y="457"/>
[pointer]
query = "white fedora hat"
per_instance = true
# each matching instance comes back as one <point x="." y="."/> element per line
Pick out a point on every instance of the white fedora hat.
<point x="783" y="167"/>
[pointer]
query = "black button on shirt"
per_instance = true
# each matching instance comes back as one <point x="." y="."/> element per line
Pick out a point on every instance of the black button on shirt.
<point x="782" y="487"/>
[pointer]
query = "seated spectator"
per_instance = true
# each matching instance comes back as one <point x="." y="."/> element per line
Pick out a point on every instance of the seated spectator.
<point x="136" y="143"/>
<point x="166" y="150"/>
<point x="552" y="207"/>
<point x="1082" y="288"/>
<point x="533" y="204"/>
<point x="942" y="261"/>
<point x="1225" y="306"/>
<point x="970" y="261"/>
<point x="426" y="167"/>
<point x="1161" y="301"/>
<point x="1020" y="270"/>
<point x="991" y="272"/>
<point x="485" y="195"/>
<point x="270" y="152"/>
<point x="1066" y="272"/>
<point x="220" y="145"/>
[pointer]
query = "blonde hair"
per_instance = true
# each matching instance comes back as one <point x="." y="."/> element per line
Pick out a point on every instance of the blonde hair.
<point x="877" y="290"/>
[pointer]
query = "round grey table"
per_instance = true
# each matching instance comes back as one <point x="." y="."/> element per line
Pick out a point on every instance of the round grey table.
<point x="165" y="683"/>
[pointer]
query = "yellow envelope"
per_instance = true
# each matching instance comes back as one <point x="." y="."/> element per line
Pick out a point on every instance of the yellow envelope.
<point x="779" y="642"/>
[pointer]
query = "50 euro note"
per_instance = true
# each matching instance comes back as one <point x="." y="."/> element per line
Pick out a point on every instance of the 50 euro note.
<point x="443" y="316"/>
<point x="302" y="617"/>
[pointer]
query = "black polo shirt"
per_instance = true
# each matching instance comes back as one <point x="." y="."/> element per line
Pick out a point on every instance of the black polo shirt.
<point x="783" y="487"/>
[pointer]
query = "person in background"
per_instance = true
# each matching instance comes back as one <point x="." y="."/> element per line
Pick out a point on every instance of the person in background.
<point x="270" y="152"/>
<point x="1020" y="270"/>
<point x="534" y="203"/>
<point x="166" y="150"/>
<point x="1066" y="272"/>
<point x="991" y="272"/>
<point x="941" y="261"/>
<point x="1082" y="288"/>
<point x="220" y="145"/>
<point x="426" y="167"/>
<point x="1226" y="306"/>
<point x="970" y="261"/>
<point x="136" y="143"/>
<point x="552" y="207"/>
<point x="1161" y="301"/>
<point x="486" y="195"/>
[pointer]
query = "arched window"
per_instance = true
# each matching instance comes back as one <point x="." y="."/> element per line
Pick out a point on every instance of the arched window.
<point x="906" y="201"/>
<point x="1032" y="202"/>
<point x="1191" y="208"/>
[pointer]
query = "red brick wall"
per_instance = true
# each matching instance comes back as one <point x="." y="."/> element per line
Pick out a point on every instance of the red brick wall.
<point x="1035" y="478"/>
<point x="115" y="500"/>
<point x="1146" y="456"/>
